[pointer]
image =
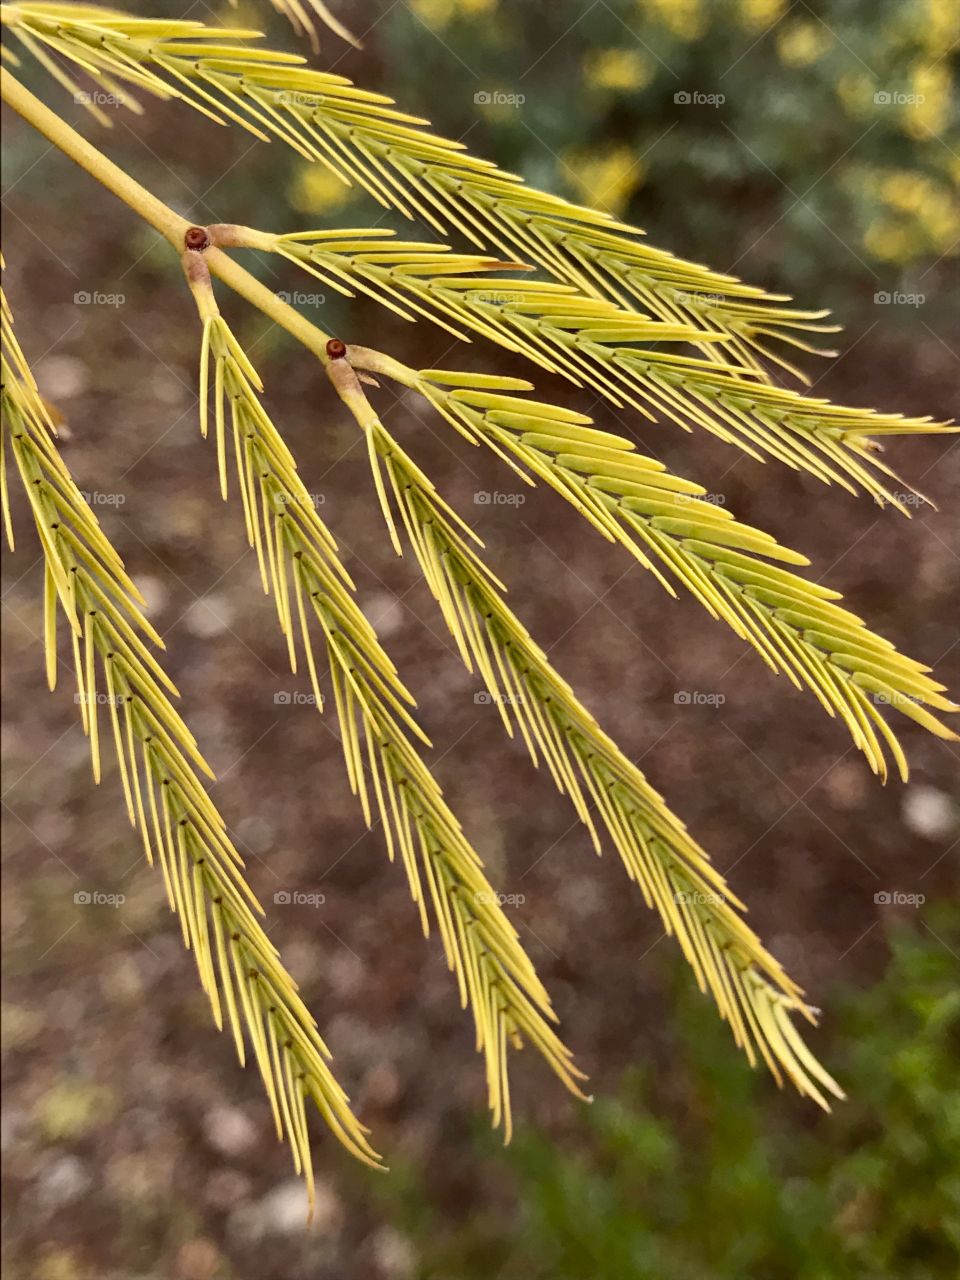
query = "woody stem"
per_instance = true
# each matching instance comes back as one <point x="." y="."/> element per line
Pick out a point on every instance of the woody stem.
<point x="170" y="224"/>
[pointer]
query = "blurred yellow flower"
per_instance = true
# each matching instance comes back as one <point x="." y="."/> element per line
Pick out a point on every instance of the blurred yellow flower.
<point x="926" y="112"/>
<point x="605" y="180"/>
<point x="686" y="19"/>
<point x="952" y="167"/>
<point x="940" y="25"/>
<point x="438" y="13"/>
<point x="435" y="13"/>
<point x="619" y="70"/>
<point x="905" y="190"/>
<point x="940" y="217"/>
<point x="926" y="215"/>
<point x="802" y="43"/>
<point x="315" y="189"/>
<point x="890" y="242"/>
<point x="757" y="15"/>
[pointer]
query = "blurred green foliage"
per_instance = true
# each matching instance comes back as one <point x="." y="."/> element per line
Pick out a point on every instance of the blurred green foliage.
<point x="706" y="1177"/>
<point x="820" y="142"/>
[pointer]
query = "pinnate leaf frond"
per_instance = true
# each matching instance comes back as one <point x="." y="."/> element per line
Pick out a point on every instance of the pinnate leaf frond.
<point x="751" y="989"/>
<point x="160" y="770"/>
<point x="585" y="340"/>
<point x="603" y="321"/>
<point x="301" y="567"/>
<point x="358" y="134"/>
<point x="364" y="140"/>
<point x="663" y="520"/>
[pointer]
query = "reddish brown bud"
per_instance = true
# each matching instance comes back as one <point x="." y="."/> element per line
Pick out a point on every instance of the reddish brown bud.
<point x="196" y="238"/>
<point x="336" y="350"/>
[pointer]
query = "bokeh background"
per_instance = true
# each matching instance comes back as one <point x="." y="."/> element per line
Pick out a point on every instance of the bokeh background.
<point x="809" y="147"/>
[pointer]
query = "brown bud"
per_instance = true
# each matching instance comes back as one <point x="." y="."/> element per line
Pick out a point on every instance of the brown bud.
<point x="336" y="350"/>
<point x="196" y="238"/>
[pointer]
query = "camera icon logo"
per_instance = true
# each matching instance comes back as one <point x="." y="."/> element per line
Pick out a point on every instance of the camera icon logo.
<point x="281" y="897"/>
<point x="282" y="699"/>
<point x="881" y="299"/>
<point x="82" y="299"/>
<point x="681" y="697"/>
<point x="482" y="499"/>
<point x="682" y="98"/>
<point x="482" y="699"/>
<point x="82" y="898"/>
<point x="883" y="899"/>
<point x="882" y="98"/>
<point x="482" y="98"/>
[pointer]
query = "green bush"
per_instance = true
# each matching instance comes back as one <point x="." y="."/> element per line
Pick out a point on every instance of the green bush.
<point x="831" y="156"/>
<point x="709" y="1184"/>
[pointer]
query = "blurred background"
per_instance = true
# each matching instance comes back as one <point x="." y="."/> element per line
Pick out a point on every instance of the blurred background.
<point x="809" y="147"/>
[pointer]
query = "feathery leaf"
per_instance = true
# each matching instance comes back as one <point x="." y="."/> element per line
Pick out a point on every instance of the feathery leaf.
<point x="751" y="989"/>
<point x="160" y="767"/>
<point x="495" y="977"/>
<point x="795" y="625"/>
<point x="583" y="339"/>
<point x="364" y="140"/>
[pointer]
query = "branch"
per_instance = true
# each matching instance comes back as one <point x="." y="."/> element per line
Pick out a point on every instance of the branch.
<point x="161" y="217"/>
